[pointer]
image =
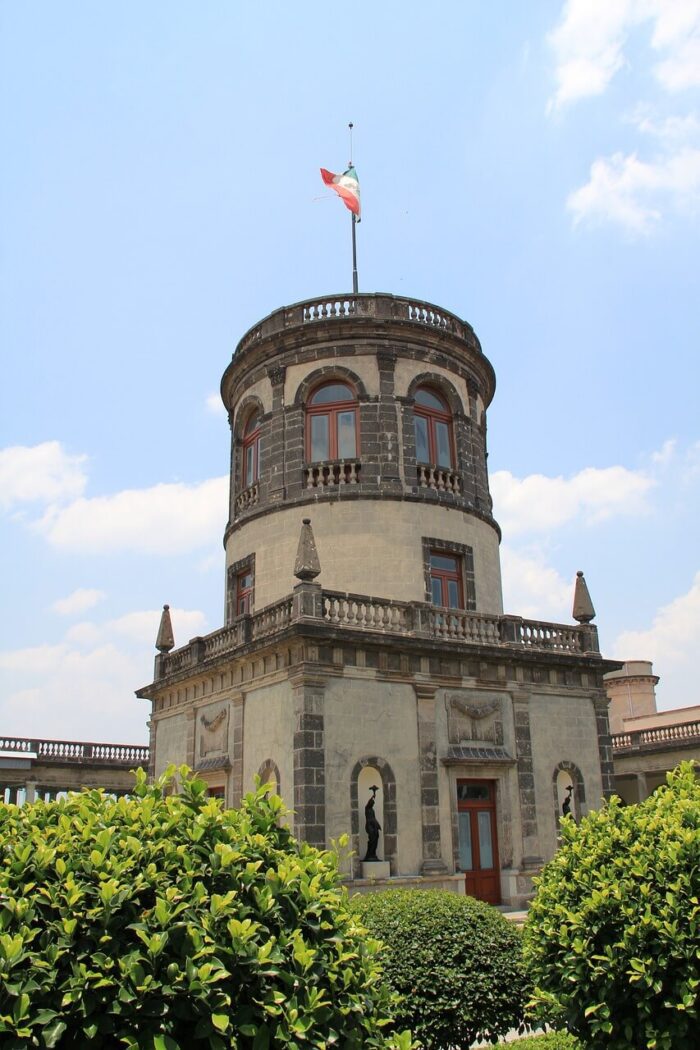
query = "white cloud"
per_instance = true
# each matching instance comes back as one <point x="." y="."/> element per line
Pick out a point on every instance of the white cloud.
<point x="164" y="519"/>
<point x="672" y="643"/>
<point x="538" y="503"/>
<point x="533" y="589"/>
<point x="40" y="473"/>
<point x="215" y="405"/>
<point x="83" y="687"/>
<point x="632" y="193"/>
<point x="589" y="44"/>
<point x="79" y="601"/>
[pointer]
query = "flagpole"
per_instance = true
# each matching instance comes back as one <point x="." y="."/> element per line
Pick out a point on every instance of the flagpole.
<point x="354" y="254"/>
<point x="353" y="219"/>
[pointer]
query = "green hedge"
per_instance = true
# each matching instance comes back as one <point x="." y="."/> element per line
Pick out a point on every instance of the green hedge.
<point x="612" y="940"/>
<point x="455" y="963"/>
<point x="163" y="921"/>
<point x="550" y="1041"/>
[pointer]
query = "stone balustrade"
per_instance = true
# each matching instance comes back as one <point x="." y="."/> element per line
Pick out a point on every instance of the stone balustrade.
<point x="247" y="498"/>
<point x="660" y="736"/>
<point x="443" y="479"/>
<point x="377" y="307"/>
<point x="67" y="751"/>
<point x="326" y="475"/>
<point x="382" y="616"/>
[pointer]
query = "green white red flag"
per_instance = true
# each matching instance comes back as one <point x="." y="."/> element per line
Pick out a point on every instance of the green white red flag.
<point x="347" y="187"/>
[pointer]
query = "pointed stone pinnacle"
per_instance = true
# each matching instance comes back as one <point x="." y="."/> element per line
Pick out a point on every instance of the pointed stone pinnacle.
<point x="165" y="640"/>
<point x="583" y="610"/>
<point x="307" y="566"/>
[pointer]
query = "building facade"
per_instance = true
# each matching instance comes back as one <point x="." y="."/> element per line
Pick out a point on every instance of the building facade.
<point x="647" y="743"/>
<point x="365" y="643"/>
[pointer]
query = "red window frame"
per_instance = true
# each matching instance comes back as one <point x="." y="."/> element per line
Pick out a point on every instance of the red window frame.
<point x="331" y="409"/>
<point x="245" y="587"/>
<point x="251" y="444"/>
<point x="433" y="416"/>
<point x="443" y="577"/>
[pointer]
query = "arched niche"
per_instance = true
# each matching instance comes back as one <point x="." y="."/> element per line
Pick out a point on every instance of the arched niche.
<point x="369" y="771"/>
<point x="567" y="775"/>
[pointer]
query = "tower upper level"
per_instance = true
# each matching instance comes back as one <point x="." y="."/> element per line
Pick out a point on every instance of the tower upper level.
<point x="361" y="398"/>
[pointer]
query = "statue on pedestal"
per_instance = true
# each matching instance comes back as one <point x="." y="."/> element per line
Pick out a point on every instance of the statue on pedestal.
<point x="566" y="807"/>
<point x="372" y="827"/>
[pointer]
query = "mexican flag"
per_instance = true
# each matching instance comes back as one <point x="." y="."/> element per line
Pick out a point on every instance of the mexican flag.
<point x="346" y="186"/>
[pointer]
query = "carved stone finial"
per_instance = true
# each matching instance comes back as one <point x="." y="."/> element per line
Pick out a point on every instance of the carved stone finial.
<point x="583" y="610"/>
<point x="307" y="566"/>
<point x="165" y="640"/>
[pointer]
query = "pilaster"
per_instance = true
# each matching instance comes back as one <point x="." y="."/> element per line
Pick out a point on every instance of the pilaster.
<point x="600" y="706"/>
<point x="275" y="451"/>
<point x="526" y="781"/>
<point x="309" y="749"/>
<point x="236" y="747"/>
<point x="429" y="788"/>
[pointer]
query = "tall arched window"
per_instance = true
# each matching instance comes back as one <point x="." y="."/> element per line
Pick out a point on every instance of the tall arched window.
<point x="331" y="423"/>
<point x="251" y="450"/>
<point x="433" y="421"/>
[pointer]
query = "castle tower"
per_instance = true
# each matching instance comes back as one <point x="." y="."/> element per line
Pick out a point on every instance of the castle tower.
<point x="365" y="645"/>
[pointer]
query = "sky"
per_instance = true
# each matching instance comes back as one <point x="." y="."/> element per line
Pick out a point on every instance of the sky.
<point x="535" y="168"/>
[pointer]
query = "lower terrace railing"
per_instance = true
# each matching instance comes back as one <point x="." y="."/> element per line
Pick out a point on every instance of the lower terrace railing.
<point x="659" y="736"/>
<point x="62" y="751"/>
<point x="363" y="612"/>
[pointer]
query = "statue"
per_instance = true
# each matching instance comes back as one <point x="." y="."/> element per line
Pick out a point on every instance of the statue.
<point x="566" y="807"/>
<point x="372" y="827"/>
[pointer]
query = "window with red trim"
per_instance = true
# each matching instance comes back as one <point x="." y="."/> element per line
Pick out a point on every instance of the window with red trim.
<point x="251" y="450"/>
<point x="244" y="591"/>
<point x="446" y="588"/>
<point x="331" y="423"/>
<point x="433" y="426"/>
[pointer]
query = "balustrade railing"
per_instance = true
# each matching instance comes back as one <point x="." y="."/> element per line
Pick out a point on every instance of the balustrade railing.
<point x="76" y="751"/>
<point x="373" y="306"/>
<point x="371" y="614"/>
<point x="247" y="498"/>
<point x="443" y="479"/>
<point x="325" y="475"/>
<point x="383" y="615"/>
<point x="659" y="736"/>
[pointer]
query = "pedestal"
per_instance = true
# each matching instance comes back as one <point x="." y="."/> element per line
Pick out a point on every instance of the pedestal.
<point x="376" y="869"/>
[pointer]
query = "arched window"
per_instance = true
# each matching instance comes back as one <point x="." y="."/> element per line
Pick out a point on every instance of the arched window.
<point x="331" y="423"/>
<point x="251" y="450"/>
<point x="433" y="421"/>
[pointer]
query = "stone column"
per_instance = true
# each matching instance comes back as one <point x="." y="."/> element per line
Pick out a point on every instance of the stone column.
<point x="274" y="453"/>
<point x="190" y="727"/>
<point x="642" y="787"/>
<point x="30" y="788"/>
<point x="600" y="706"/>
<point x="532" y="857"/>
<point x="236" y="749"/>
<point x="309" y="748"/>
<point x="429" y="789"/>
<point x="152" y="731"/>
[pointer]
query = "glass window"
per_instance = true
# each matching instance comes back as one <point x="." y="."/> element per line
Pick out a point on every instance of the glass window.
<point x="473" y="792"/>
<point x="465" y="842"/>
<point x="485" y="839"/>
<point x="251" y="449"/>
<point x="446" y="580"/>
<point x="244" y="592"/>
<point x="331" y="425"/>
<point x="433" y="428"/>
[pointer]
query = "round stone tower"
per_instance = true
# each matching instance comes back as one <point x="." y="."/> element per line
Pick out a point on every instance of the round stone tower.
<point x="366" y="413"/>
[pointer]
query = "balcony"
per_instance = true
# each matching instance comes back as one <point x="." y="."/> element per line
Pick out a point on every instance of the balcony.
<point x="355" y="613"/>
<point x="660" y="738"/>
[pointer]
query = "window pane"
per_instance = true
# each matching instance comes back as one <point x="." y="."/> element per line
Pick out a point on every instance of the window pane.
<point x="250" y="465"/>
<point x="253" y="423"/>
<point x="347" y="448"/>
<point x="453" y="594"/>
<point x="430" y="400"/>
<point x="485" y="842"/>
<point x="435" y="590"/>
<point x="332" y="392"/>
<point x="422" y="454"/>
<point x="473" y="792"/>
<point x="319" y="438"/>
<point x="245" y="581"/>
<point x="465" y="842"/>
<point x="443" y="561"/>
<point x="442" y="442"/>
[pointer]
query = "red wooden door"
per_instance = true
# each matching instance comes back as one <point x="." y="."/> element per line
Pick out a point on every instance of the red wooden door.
<point x="478" y="841"/>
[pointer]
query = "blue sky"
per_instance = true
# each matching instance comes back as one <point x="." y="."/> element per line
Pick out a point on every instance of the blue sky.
<point x="533" y="167"/>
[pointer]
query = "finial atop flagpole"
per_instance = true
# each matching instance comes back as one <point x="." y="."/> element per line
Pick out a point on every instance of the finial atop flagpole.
<point x="350" y="126"/>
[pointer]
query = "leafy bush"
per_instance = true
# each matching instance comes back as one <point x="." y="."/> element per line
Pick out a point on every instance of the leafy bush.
<point x="550" y="1041"/>
<point x="612" y="940"/>
<point x="455" y="962"/>
<point x="163" y="921"/>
